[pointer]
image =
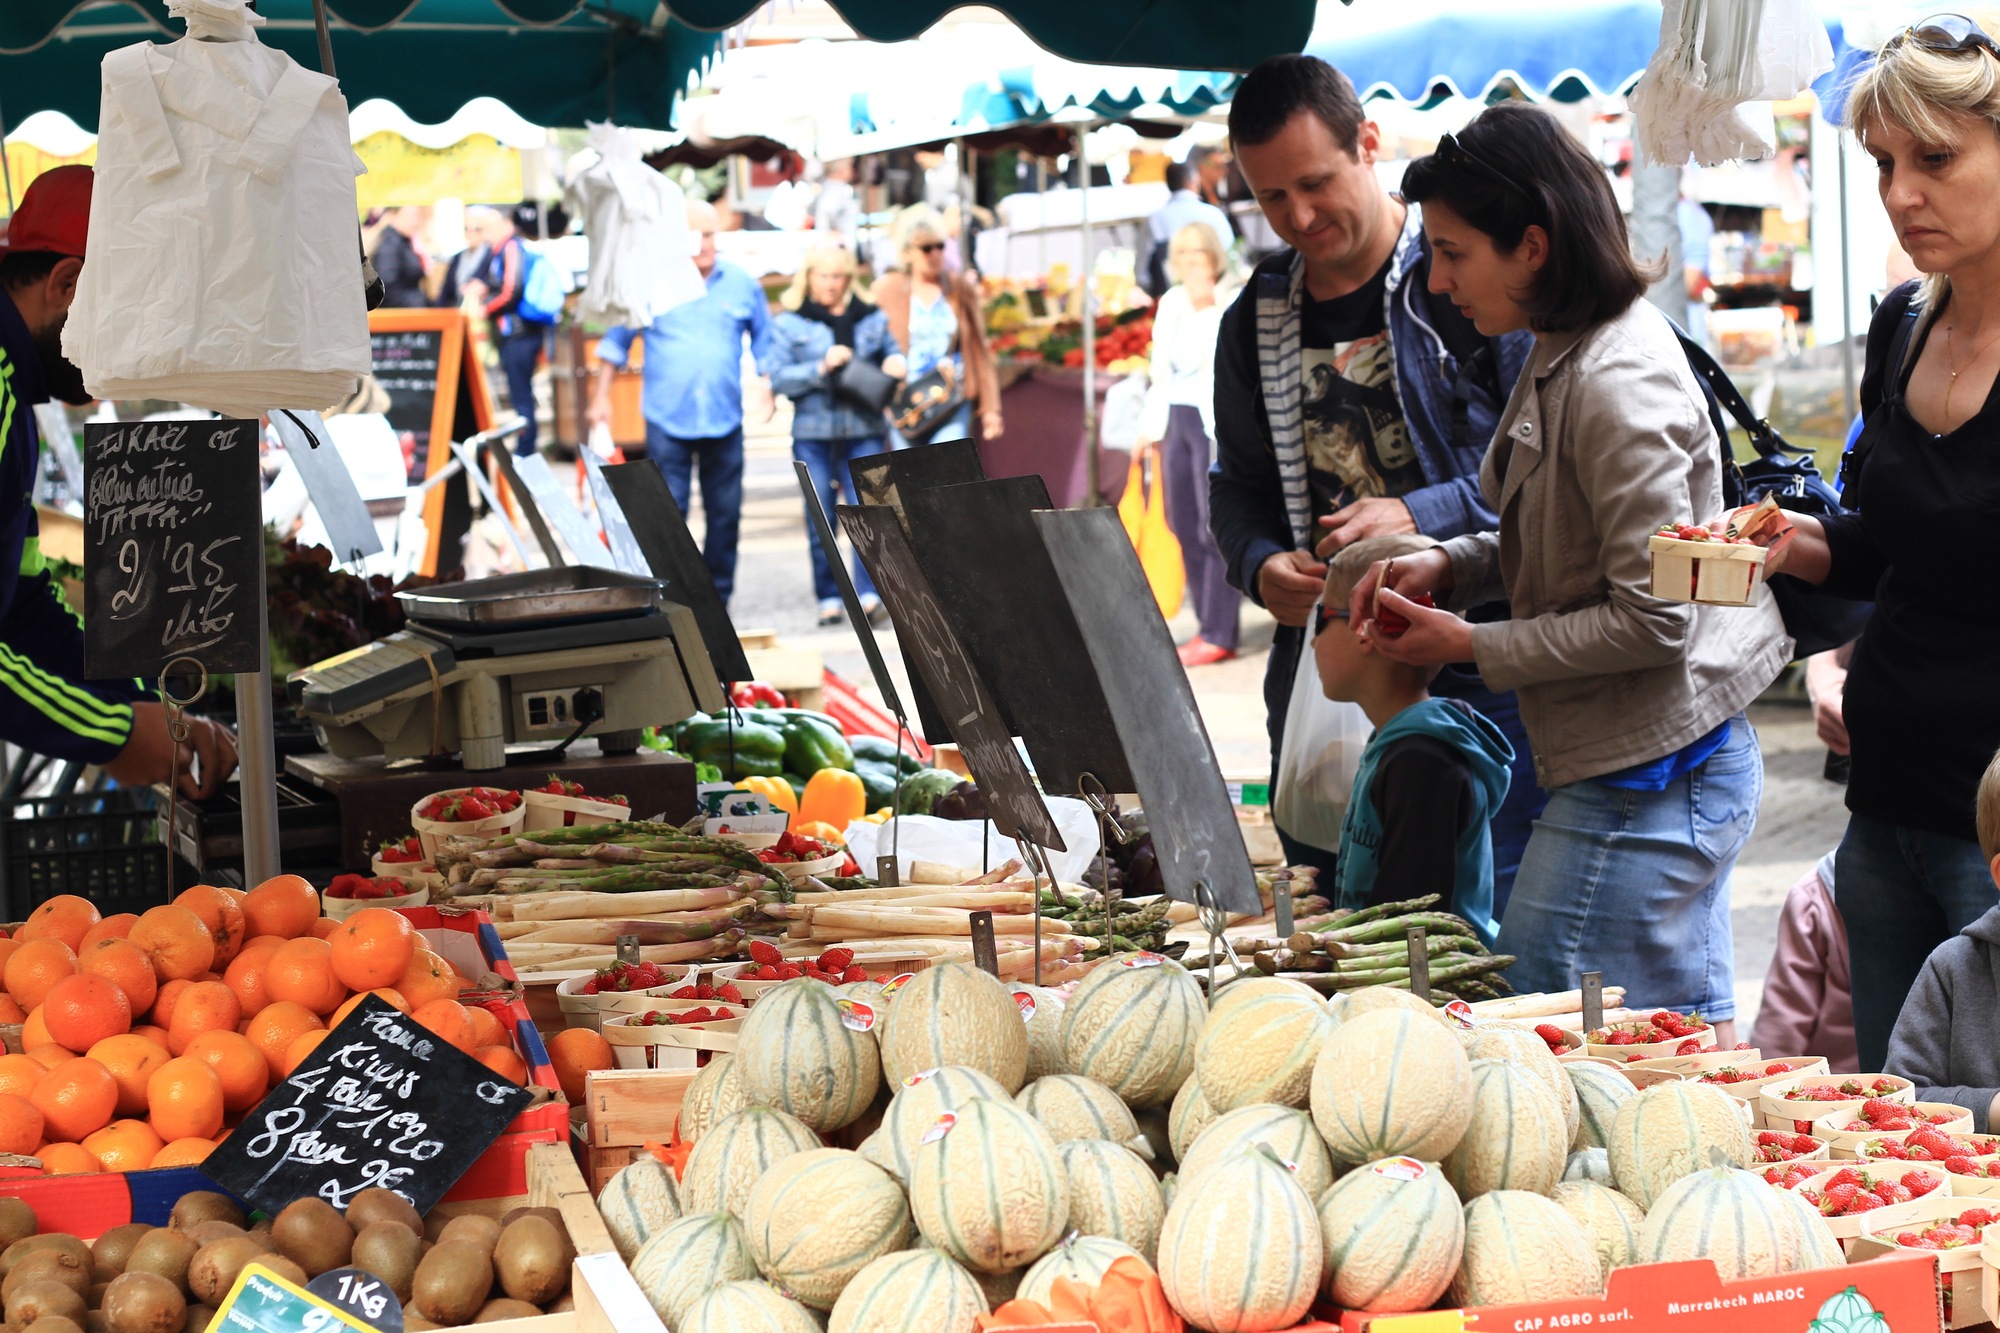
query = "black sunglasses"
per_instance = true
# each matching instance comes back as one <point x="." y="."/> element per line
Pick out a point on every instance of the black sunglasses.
<point x="1945" y="32"/>
<point x="1325" y="615"/>
<point x="931" y="247"/>
<point x="1454" y="153"/>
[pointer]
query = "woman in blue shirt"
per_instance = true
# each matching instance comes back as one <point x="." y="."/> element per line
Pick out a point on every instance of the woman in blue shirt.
<point x="939" y="316"/>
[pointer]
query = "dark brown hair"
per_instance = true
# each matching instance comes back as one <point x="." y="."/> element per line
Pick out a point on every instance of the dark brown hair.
<point x="1517" y="167"/>
<point x="1281" y="87"/>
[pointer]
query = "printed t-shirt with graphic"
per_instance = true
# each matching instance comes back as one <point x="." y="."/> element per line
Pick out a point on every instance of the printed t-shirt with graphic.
<point x="1356" y="443"/>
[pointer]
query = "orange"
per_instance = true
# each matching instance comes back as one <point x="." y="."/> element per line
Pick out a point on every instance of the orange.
<point x="49" y="1055"/>
<point x="110" y="928"/>
<point x="245" y="975"/>
<point x="64" y="917"/>
<point x="206" y="1006"/>
<point x="184" y="1152"/>
<point x="427" y="978"/>
<point x="302" y="971"/>
<point x="502" y="1061"/>
<point x="283" y="905"/>
<point x="273" y="1029"/>
<point x="7" y="948"/>
<point x="132" y="1061"/>
<point x="448" y="1019"/>
<point x="323" y="928"/>
<point x="219" y="912"/>
<point x="83" y="1010"/>
<point x="301" y="1047"/>
<point x="486" y="1029"/>
<point x="35" y="967"/>
<point x="124" y="1145"/>
<point x="67" y="1159"/>
<point x="575" y="1052"/>
<point x="11" y="1012"/>
<point x="20" y="1073"/>
<point x="176" y="940"/>
<point x="237" y="1063"/>
<point x="125" y="965"/>
<point x="393" y="999"/>
<point x="373" y="948"/>
<point x="186" y="1099"/>
<point x="162" y="1012"/>
<point x="20" y="1125"/>
<point x="156" y="1035"/>
<point x="76" y="1098"/>
<point x="35" y="1032"/>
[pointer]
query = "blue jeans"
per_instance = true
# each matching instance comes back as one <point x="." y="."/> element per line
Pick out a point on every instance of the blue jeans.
<point x="827" y="461"/>
<point x="721" y="466"/>
<point x="1635" y="884"/>
<point x="519" y="351"/>
<point x="1902" y="892"/>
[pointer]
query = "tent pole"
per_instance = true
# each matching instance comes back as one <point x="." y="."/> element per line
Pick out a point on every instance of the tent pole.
<point x="1847" y="404"/>
<point x="1094" y="498"/>
<point x="325" y="39"/>
<point x="1042" y="210"/>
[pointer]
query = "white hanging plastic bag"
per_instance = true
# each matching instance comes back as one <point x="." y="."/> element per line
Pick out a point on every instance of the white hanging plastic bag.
<point x="1714" y="56"/>
<point x="641" y="251"/>
<point x="1318" y="756"/>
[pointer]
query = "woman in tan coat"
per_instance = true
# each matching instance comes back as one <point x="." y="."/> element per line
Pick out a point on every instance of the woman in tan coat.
<point x="939" y="317"/>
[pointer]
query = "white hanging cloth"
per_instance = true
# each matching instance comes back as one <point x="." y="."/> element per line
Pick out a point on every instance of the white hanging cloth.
<point x="1715" y="55"/>
<point x="641" y="252"/>
<point x="224" y="267"/>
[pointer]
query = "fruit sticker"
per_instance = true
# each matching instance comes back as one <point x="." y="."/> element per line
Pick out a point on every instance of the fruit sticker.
<point x="895" y="983"/>
<point x="939" y="1129"/>
<point x="920" y="1076"/>
<point x="1026" y="1004"/>
<point x="1400" y="1168"/>
<point x="1459" y="1012"/>
<point x="856" y="1016"/>
<point x="1145" y="959"/>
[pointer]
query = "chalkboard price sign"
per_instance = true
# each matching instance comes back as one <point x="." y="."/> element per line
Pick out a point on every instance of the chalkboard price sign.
<point x="382" y="1102"/>
<point x="173" y="547"/>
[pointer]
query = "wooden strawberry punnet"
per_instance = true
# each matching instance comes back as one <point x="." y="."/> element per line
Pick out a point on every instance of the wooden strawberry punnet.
<point x="1925" y="1225"/>
<point x="1782" y="1147"/>
<point x="446" y="814"/>
<point x="1661" y="1034"/>
<point x="1687" y="567"/>
<point x="585" y="1000"/>
<point x="1746" y="1079"/>
<point x="1778" y="1106"/>
<point x="1826" y="1190"/>
<point x="561" y="804"/>
<point x="1963" y="1155"/>
<point x="638" y="1044"/>
<point x="1976" y="1175"/>
<point x="1846" y="1131"/>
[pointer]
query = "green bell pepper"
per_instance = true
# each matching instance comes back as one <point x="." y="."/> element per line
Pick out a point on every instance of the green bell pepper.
<point x="878" y="750"/>
<point x="811" y="746"/>
<point x="759" y="751"/>
<point x="878" y="780"/>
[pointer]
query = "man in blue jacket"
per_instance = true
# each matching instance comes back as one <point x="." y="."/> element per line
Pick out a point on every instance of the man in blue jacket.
<point x="1350" y="401"/>
<point x="46" y="707"/>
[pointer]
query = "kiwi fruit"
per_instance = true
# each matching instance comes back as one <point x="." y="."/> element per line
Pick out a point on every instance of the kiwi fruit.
<point x="164" y="1251"/>
<point x="312" y="1233"/>
<point x="416" y="1323"/>
<point x="114" y="1247"/>
<point x="206" y="1206"/>
<point x="514" y="1215"/>
<point x="284" y="1268"/>
<point x="472" y="1229"/>
<point x="58" y="1323"/>
<point x="380" y="1205"/>
<point x="94" y="1298"/>
<point x="95" y="1322"/>
<point x="391" y="1251"/>
<point x="532" y="1259"/>
<point x="56" y="1240"/>
<point x="48" y="1266"/>
<point x="38" y="1299"/>
<point x="212" y="1230"/>
<point x="17" y="1221"/>
<point x="198" y="1317"/>
<point x="215" y="1267"/>
<point x="452" y="1282"/>
<point x="505" y="1307"/>
<point x="144" y="1303"/>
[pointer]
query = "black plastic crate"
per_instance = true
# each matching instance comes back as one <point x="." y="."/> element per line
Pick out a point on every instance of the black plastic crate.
<point x="104" y="846"/>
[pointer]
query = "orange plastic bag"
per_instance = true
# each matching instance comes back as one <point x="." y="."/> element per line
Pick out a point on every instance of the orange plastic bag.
<point x="1143" y="511"/>
<point x="1128" y="1300"/>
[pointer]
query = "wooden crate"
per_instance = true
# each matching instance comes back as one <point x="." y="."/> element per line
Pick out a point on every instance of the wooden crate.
<point x="626" y="1108"/>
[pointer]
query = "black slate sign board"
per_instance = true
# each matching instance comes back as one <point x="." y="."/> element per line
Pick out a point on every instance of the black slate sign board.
<point x="381" y="1102"/>
<point x="662" y="533"/>
<point x="856" y="617"/>
<point x="980" y="547"/>
<point x="953" y="680"/>
<point x="1173" y="765"/>
<point x="406" y="367"/>
<point x="173" y="547"/>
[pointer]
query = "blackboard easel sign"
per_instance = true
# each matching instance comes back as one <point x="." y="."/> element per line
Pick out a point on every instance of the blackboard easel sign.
<point x="173" y="548"/>
<point x="662" y="533"/>
<point x="437" y="392"/>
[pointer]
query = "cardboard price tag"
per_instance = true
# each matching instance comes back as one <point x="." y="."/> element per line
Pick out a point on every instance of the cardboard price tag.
<point x="263" y="1302"/>
<point x="362" y="1295"/>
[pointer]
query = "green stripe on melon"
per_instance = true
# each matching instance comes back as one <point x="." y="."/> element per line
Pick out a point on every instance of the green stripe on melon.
<point x="1669" y="1131"/>
<point x="1391" y="1083"/>
<point x="817" y="1218"/>
<point x="1187" y="1117"/>
<point x="1248" y="988"/>
<point x="1521" y="1248"/>
<point x="1261" y="1049"/>
<point x="990" y="1191"/>
<point x="1393" y="1233"/>
<point x="747" y="1307"/>
<point x="1600" y="1091"/>
<point x="1350" y="1005"/>
<point x="1284" y="1130"/>
<point x="1517" y="1043"/>
<point x="1112" y="1193"/>
<point x="638" y="1202"/>
<point x="1611" y="1220"/>
<point x="1071" y="1106"/>
<point x="1079" y="1258"/>
<point x="711" y="1095"/>
<point x="1045" y="1053"/>
<point x="1814" y="1244"/>
<point x="909" y="1290"/>
<point x="955" y="1014"/>
<point x="1240" y="1251"/>
<point x="1724" y="1214"/>
<point x="1517" y="1139"/>
<point x="794" y="1053"/>
<point x="730" y="1157"/>
<point x="1592" y="1164"/>
<point x="1134" y="1029"/>
<point x="690" y="1258"/>
<point x="916" y="1107"/>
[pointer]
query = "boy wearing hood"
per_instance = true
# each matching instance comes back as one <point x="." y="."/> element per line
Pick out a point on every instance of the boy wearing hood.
<point x="1944" y="1037"/>
<point x="1432" y="775"/>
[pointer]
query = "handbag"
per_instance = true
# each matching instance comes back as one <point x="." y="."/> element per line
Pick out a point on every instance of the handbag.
<point x="863" y="386"/>
<point x="925" y="403"/>
<point x="1816" y="620"/>
<point x="1143" y="511"/>
<point x="1318" y="756"/>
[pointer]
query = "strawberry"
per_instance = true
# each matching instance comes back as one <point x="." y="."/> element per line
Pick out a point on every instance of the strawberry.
<point x="684" y="993"/>
<point x="836" y="960"/>
<point x="1847" y="1175"/>
<point x="854" y="972"/>
<point x="1863" y="1201"/>
<point x="1979" y="1217"/>
<point x="789" y="972"/>
<point x="1894" y="1192"/>
<point x="1742" y="1046"/>
<point x="1692" y="1046"/>
<point x="1921" y="1185"/>
<point x="728" y="991"/>
<point x="1551" y="1035"/>
<point x="1882" y="1085"/>
<point x="704" y="991"/>
<point x="765" y="953"/>
<point x="1768" y="1136"/>
<point x="1960" y="1165"/>
<point x="1837" y="1200"/>
<point x="472" y="808"/>
<point x="1803" y="1143"/>
<point x="1772" y="1071"/>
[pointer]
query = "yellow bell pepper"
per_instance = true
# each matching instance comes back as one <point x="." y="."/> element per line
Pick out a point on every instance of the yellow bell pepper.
<point x="881" y="816"/>
<point x="819" y="832"/>
<point x="775" y="790"/>
<point x="833" y="796"/>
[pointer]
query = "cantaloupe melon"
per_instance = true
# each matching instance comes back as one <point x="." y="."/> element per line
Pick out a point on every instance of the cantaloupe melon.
<point x="1350" y="1005"/>
<point x="1112" y="1193"/>
<point x="1250" y="987"/>
<point x="817" y="1218"/>
<point x="1725" y="1214"/>
<point x="711" y="1095"/>
<point x="747" y="1307"/>
<point x="1600" y="1091"/>
<point x="1261" y="1049"/>
<point x="989" y="1189"/>
<point x="1071" y="1106"/>
<point x="1669" y="1131"/>
<point x="1391" y="1083"/>
<point x="907" y="1291"/>
<point x="1519" y="1248"/>
<point x="1131" y="1025"/>
<point x="1188" y="1116"/>
<point x="1240" y="1251"/>
<point x="1288" y="1132"/>
<point x="1077" y="1257"/>
<point x="955" y="1014"/>
<point x="690" y="1258"/>
<point x="1517" y="1043"/>
<point x="638" y="1203"/>
<point x="1815" y="1245"/>
<point x="1517" y="1139"/>
<point x="916" y="1107"/>
<point x="730" y="1157"/>
<point x="1611" y="1220"/>
<point x="795" y="1052"/>
<point x="1045" y="1053"/>
<point x="1392" y="1232"/>
<point x="1593" y="1164"/>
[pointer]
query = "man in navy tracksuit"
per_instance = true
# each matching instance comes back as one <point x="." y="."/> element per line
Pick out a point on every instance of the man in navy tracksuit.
<point x="46" y="706"/>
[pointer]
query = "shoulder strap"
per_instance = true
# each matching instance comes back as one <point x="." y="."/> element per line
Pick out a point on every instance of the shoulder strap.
<point x="1856" y="458"/>
<point x="1763" y="438"/>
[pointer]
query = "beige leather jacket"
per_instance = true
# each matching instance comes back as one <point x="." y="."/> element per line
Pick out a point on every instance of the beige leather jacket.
<point x="1605" y="438"/>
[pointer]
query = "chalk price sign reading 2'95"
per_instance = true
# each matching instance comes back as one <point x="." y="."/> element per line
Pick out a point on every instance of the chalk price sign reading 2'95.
<point x="381" y="1103"/>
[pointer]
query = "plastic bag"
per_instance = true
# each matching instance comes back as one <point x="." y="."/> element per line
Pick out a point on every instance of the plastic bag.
<point x="1714" y="56"/>
<point x="955" y="842"/>
<point x="1143" y="511"/>
<point x="1317" y="759"/>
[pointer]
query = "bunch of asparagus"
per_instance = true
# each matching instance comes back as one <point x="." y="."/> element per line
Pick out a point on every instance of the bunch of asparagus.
<point x="1370" y="947"/>
<point x="598" y="858"/>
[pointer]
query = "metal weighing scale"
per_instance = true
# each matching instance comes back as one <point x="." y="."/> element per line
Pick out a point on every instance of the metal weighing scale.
<point x="542" y="657"/>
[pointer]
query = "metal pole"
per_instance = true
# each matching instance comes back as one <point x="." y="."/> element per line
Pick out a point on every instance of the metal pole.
<point x="1042" y="211"/>
<point x="1095" y="498"/>
<point x="325" y="38"/>
<point x="1847" y="400"/>
<point x="257" y="759"/>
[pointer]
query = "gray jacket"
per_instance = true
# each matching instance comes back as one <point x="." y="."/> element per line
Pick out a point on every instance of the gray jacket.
<point x="1944" y="1040"/>
<point x="1604" y="438"/>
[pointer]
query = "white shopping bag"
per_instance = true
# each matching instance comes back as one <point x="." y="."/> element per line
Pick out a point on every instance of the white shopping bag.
<point x="1317" y="759"/>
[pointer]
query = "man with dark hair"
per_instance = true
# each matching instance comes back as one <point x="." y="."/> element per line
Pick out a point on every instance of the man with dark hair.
<point x="1182" y="207"/>
<point x="46" y="707"/>
<point x="1350" y="402"/>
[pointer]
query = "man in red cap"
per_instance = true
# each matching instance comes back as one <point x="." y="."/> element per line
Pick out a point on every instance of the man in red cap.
<point x="46" y="706"/>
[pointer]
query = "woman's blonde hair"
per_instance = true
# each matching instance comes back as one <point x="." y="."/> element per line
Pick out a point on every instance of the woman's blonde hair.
<point x="822" y="257"/>
<point x="917" y="223"/>
<point x="1203" y="236"/>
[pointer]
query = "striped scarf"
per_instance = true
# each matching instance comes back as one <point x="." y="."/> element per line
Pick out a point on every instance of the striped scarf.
<point x="1280" y="298"/>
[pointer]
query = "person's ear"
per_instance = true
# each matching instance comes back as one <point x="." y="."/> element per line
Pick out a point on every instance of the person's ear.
<point x="1368" y="143"/>
<point x="1993" y="868"/>
<point x="1534" y="247"/>
<point x="61" y="284"/>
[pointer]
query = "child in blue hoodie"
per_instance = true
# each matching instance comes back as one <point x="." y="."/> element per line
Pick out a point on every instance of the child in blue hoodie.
<point x="1431" y="777"/>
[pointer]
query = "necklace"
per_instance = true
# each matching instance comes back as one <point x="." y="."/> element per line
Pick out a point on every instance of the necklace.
<point x="1950" y="360"/>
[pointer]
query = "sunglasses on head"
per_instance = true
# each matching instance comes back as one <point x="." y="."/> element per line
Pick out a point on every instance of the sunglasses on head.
<point x="1324" y="615"/>
<point x="1454" y="153"/>
<point x="1945" y="32"/>
<point x="931" y="247"/>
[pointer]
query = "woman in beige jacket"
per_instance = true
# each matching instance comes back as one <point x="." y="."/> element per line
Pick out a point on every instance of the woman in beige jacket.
<point x="938" y="317"/>
<point x="1634" y="704"/>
